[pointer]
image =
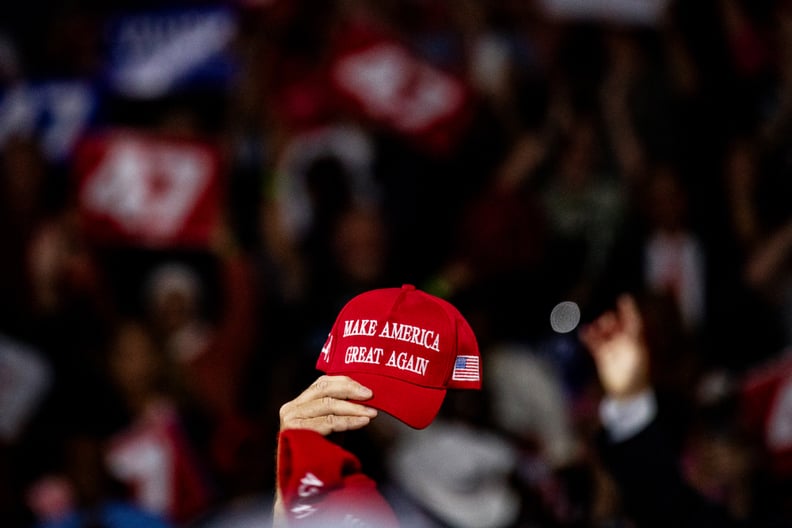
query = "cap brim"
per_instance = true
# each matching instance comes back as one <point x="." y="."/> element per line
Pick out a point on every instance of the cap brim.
<point x="414" y="405"/>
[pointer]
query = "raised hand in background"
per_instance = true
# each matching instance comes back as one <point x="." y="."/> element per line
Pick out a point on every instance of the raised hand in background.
<point x="617" y="343"/>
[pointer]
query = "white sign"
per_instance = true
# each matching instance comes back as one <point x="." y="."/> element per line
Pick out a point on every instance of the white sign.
<point x="25" y="378"/>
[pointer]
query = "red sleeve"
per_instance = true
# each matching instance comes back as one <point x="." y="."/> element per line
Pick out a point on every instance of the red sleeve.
<point x="323" y="485"/>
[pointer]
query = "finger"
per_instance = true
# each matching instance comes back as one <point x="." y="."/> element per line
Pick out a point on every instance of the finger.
<point x="338" y="387"/>
<point x="325" y="425"/>
<point x="327" y="406"/>
<point x="607" y="323"/>
<point x="629" y="314"/>
<point x="295" y="416"/>
<point x="596" y="333"/>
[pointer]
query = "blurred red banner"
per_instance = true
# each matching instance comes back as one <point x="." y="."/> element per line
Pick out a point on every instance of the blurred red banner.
<point x="767" y="409"/>
<point x="140" y="189"/>
<point x="381" y="79"/>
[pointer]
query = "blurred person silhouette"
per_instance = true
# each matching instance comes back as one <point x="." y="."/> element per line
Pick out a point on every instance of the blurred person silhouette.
<point x="756" y="178"/>
<point x="769" y="271"/>
<point x="356" y="259"/>
<point x="650" y="98"/>
<point x="212" y="355"/>
<point x="662" y="254"/>
<point x="73" y="308"/>
<point x="330" y="246"/>
<point x="751" y="31"/>
<point x="85" y="495"/>
<point x="757" y="162"/>
<point x="775" y="111"/>
<point x="757" y="174"/>
<point x="22" y="208"/>
<point x="56" y="300"/>
<point x="759" y="36"/>
<point x="500" y="249"/>
<point x="674" y="254"/>
<point x="319" y="173"/>
<point x="584" y="202"/>
<point x="298" y="43"/>
<point x="687" y="464"/>
<point x="562" y="154"/>
<point x="155" y="453"/>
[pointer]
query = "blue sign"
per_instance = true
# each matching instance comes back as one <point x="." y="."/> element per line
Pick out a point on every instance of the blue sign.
<point x="152" y="54"/>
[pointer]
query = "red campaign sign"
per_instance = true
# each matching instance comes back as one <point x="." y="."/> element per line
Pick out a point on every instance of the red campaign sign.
<point x="153" y="457"/>
<point x="767" y="409"/>
<point x="140" y="189"/>
<point x="377" y="76"/>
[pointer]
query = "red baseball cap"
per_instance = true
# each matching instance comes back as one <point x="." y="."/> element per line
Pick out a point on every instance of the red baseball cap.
<point x="407" y="346"/>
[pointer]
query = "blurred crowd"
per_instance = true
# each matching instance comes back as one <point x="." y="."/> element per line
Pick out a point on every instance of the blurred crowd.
<point x="506" y="155"/>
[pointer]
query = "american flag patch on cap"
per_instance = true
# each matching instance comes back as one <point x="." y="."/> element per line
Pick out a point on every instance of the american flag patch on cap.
<point x="466" y="368"/>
